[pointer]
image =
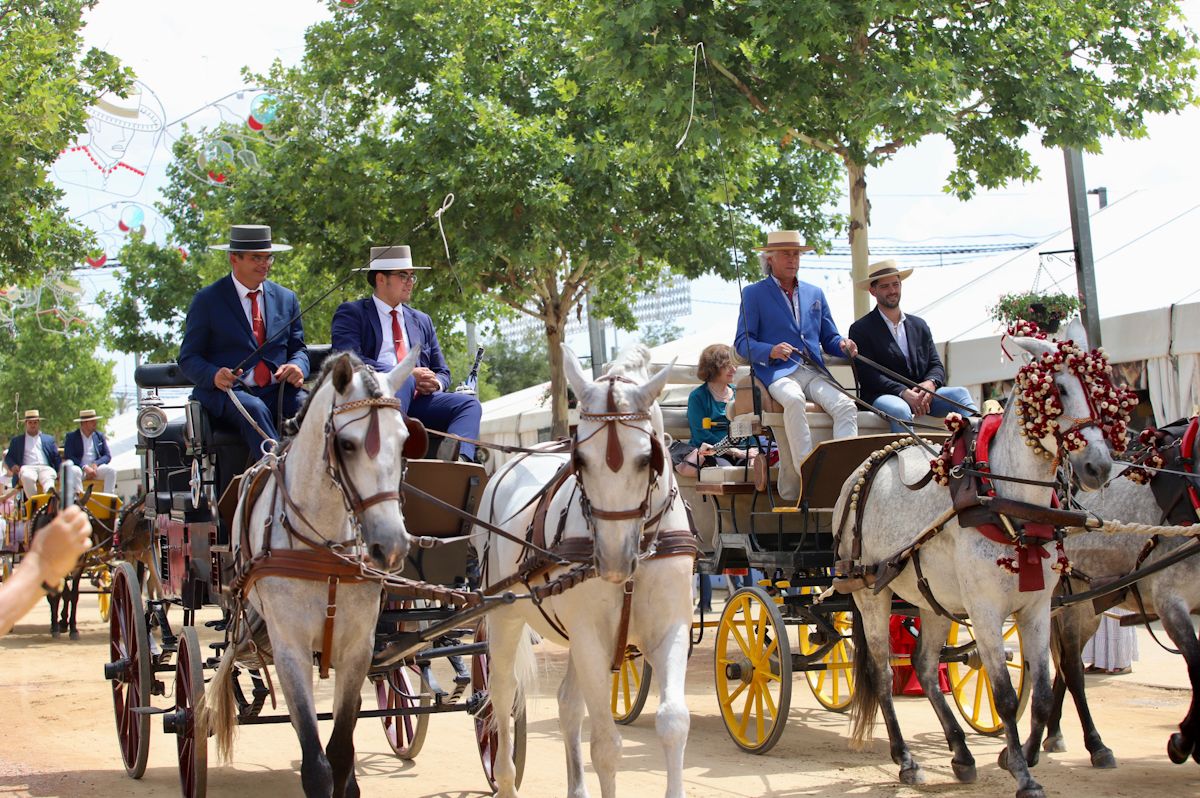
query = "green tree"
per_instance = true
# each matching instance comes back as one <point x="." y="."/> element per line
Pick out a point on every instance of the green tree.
<point x="518" y="363"/>
<point x="862" y="80"/>
<point x="50" y="365"/>
<point x="46" y="87"/>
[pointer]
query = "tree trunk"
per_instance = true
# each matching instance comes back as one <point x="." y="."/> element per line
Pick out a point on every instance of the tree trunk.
<point x="555" y="328"/>
<point x="860" y="221"/>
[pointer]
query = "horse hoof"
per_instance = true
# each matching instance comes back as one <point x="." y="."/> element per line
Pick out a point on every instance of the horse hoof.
<point x="1104" y="759"/>
<point x="1179" y="748"/>
<point x="1054" y="745"/>
<point x="1035" y="791"/>
<point x="964" y="772"/>
<point x="912" y="775"/>
<point x="74" y="634"/>
<point x="55" y="633"/>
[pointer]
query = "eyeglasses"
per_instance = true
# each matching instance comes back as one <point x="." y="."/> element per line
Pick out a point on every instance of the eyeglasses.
<point x="259" y="259"/>
<point x="404" y="277"/>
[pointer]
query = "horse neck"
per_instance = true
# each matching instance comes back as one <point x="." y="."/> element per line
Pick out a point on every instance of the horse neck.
<point x="1009" y="455"/>
<point x="306" y="479"/>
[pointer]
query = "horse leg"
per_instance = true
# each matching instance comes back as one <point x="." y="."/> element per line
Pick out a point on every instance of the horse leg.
<point x="926" y="659"/>
<point x="53" y="602"/>
<point x="504" y="630"/>
<point x="570" y="725"/>
<point x="672" y="721"/>
<point x="1178" y="626"/>
<point x="1072" y="630"/>
<point x="351" y="673"/>
<point x="72" y="604"/>
<point x="1035" y="641"/>
<point x="591" y="660"/>
<point x="293" y="666"/>
<point x="873" y="682"/>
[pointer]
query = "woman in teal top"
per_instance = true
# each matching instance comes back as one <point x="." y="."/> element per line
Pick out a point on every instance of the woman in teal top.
<point x="711" y="400"/>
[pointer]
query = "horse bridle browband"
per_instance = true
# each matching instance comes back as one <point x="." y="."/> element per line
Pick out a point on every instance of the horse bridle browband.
<point x="336" y="467"/>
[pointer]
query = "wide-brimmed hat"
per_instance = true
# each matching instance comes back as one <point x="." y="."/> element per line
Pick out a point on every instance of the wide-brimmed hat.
<point x="251" y="238"/>
<point x="877" y="271"/>
<point x="33" y="415"/>
<point x="87" y="415"/>
<point x="784" y="239"/>
<point x="390" y="259"/>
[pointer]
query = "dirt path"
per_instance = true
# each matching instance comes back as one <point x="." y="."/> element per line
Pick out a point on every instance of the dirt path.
<point x="57" y="739"/>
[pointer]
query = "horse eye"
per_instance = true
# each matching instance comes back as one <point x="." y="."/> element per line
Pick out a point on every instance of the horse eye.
<point x="643" y="462"/>
<point x="347" y="445"/>
<point x="577" y="461"/>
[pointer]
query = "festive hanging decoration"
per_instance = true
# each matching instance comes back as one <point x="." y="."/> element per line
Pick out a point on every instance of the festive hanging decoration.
<point x="1152" y="459"/>
<point x="263" y="111"/>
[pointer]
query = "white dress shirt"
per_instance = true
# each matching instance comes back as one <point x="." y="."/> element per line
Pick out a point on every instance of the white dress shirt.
<point x="387" y="347"/>
<point x="33" y="451"/>
<point x="899" y="333"/>
<point x="89" y="450"/>
<point x="244" y="295"/>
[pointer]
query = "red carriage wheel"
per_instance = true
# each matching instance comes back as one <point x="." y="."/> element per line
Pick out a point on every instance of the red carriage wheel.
<point x="394" y="691"/>
<point x="129" y="669"/>
<point x="485" y="736"/>
<point x="191" y="733"/>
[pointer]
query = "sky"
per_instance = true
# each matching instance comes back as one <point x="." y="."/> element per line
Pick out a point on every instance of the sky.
<point x="189" y="56"/>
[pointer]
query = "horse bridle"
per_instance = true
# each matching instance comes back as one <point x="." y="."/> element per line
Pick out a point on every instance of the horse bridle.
<point x="335" y="466"/>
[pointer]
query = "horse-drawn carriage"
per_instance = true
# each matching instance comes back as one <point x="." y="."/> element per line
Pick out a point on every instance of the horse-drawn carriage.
<point x="199" y="506"/>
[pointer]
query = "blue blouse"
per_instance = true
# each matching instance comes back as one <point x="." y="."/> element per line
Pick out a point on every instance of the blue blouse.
<point x="702" y="405"/>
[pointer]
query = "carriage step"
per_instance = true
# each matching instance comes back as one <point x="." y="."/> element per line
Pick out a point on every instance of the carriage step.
<point x="1137" y="619"/>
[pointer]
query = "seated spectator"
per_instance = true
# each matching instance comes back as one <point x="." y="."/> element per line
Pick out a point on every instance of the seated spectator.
<point x="87" y="453"/>
<point x="33" y="458"/>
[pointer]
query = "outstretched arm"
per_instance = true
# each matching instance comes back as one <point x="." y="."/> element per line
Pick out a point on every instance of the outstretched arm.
<point x="53" y="554"/>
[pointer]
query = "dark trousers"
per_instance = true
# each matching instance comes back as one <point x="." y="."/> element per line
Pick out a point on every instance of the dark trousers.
<point x="261" y="404"/>
<point x="456" y="413"/>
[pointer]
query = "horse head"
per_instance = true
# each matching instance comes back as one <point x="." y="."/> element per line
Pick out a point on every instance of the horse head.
<point x="1069" y="408"/>
<point x="619" y="457"/>
<point x="365" y="440"/>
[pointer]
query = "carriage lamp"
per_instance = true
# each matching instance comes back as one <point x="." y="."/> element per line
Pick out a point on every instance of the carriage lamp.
<point x="151" y="421"/>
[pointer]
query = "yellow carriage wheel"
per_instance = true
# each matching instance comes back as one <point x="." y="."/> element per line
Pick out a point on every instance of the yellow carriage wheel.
<point x="971" y="687"/>
<point x="833" y="684"/>
<point x="630" y="686"/>
<point x="104" y="590"/>
<point x="753" y="670"/>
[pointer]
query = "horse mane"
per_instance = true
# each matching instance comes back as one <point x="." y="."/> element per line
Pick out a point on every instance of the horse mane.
<point x="291" y="426"/>
<point x="633" y="361"/>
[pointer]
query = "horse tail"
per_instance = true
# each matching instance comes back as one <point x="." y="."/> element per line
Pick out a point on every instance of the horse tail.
<point x="525" y="668"/>
<point x="219" y="711"/>
<point x="865" y="702"/>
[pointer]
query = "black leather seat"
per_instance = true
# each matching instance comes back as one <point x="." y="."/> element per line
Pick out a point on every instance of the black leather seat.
<point x="171" y="473"/>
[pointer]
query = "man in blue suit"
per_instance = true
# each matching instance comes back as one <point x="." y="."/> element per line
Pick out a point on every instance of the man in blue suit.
<point x="382" y="329"/>
<point x="246" y="322"/>
<point x="783" y="326"/>
<point x="903" y="344"/>
<point x="33" y="457"/>
<point x="87" y="454"/>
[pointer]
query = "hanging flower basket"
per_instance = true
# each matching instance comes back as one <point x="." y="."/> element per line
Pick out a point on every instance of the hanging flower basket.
<point x="1045" y="310"/>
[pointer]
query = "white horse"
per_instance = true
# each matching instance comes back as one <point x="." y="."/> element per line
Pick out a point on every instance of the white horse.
<point x="964" y="574"/>
<point x="340" y="477"/>
<point x="619" y="460"/>
<point x="1172" y="594"/>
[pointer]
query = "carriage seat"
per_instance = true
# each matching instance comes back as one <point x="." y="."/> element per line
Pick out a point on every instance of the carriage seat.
<point x="172" y="475"/>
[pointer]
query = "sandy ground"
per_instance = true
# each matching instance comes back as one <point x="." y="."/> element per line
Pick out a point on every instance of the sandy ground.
<point x="57" y="738"/>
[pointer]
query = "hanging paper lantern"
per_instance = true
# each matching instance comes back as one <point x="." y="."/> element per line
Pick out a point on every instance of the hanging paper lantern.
<point x="97" y="260"/>
<point x="216" y="159"/>
<point x="182" y="252"/>
<point x="132" y="218"/>
<point x="263" y="111"/>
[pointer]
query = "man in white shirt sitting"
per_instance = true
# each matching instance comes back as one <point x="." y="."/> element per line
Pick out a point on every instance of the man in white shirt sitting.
<point x="87" y="453"/>
<point x="33" y="457"/>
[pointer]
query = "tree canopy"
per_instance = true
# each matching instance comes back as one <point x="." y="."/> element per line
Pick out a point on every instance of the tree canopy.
<point x="861" y="80"/>
<point x="46" y="87"/>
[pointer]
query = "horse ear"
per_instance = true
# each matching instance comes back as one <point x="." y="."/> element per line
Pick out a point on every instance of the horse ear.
<point x="653" y="387"/>
<point x="1077" y="332"/>
<point x="403" y="370"/>
<point x="575" y="376"/>
<point x="1034" y="347"/>
<point x="343" y="373"/>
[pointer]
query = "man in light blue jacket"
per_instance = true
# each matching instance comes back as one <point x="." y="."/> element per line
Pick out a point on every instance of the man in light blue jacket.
<point x="783" y="326"/>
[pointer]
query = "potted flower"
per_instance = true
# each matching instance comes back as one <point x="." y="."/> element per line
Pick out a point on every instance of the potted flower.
<point x="1044" y="310"/>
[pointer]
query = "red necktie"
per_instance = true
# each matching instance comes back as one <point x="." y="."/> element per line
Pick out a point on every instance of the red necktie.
<point x="262" y="372"/>
<point x="398" y="338"/>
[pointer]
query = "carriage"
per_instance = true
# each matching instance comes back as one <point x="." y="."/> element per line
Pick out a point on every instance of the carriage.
<point x="429" y="626"/>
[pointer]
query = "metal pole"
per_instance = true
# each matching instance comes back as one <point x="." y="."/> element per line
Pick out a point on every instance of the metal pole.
<point x="472" y="339"/>
<point x="596" y="339"/>
<point x="1081" y="233"/>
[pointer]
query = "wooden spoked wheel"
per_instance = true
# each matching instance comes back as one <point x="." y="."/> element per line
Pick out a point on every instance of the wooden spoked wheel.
<point x="753" y="669"/>
<point x="402" y="688"/>
<point x="485" y="735"/>
<point x="630" y="686"/>
<point x="833" y="684"/>
<point x="971" y="687"/>
<point x="104" y="586"/>
<point x="129" y="669"/>
<point x="191" y="733"/>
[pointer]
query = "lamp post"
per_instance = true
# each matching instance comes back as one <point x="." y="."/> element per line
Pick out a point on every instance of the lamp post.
<point x="1081" y="234"/>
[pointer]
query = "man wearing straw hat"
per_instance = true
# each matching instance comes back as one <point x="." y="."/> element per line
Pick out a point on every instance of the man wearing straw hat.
<point x="87" y="454"/>
<point x="382" y="329"/>
<point x="33" y="457"/>
<point x="246" y="322"/>
<point x="903" y="344"/>
<point x="783" y="326"/>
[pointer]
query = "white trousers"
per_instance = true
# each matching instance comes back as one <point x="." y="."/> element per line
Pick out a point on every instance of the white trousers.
<point x="104" y="472"/>
<point x="793" y="392"/>
<point x="34" y="476"/>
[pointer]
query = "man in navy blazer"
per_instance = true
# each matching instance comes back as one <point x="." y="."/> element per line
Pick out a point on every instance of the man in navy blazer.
<point x="86" y="453"/>
<point x="33" y="457"/>
<point x="382" y="329"/>
<point x="783" y="326"/>
<point x="903" y="344"/>
<point x="246" y="322"/>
